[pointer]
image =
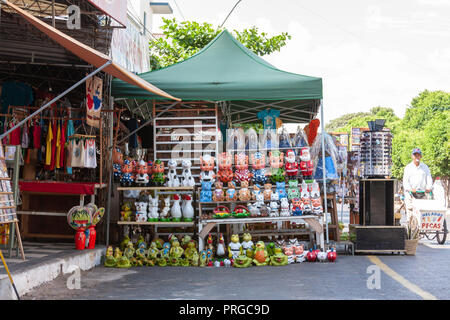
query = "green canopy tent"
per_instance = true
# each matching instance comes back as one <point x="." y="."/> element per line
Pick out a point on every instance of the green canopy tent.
<point x="226" y="71"/>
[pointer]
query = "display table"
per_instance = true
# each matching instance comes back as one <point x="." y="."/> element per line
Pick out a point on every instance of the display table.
<point x="33" y="206"/>
<point x="315" y="223"/>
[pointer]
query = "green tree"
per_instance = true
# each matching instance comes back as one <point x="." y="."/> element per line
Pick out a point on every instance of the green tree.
<point x="183" y="39"/>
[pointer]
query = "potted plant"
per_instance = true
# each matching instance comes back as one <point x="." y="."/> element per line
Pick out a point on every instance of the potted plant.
<point x="412" y="237"/>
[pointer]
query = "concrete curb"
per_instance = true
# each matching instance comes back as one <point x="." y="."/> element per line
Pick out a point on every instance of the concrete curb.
<point x="33" y="276"/>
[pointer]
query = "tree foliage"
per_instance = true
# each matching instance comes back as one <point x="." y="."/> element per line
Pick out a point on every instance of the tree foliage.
<point x="184" y="39"/>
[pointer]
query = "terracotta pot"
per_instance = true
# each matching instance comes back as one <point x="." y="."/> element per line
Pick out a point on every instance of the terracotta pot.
<point x="411" y="246"/>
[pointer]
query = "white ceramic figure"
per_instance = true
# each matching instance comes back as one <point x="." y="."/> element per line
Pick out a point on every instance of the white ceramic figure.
<point x="153" y="208"/>
<point x="164" y="215"/>
<point x="186" y="177"/>
<point x="322" y="256"/>
<point x="259" y="200"/>
<point x="207" y="166"/>
<point x="301" y="257"/>
<point x="316" y="201"/>
<point x="175" y="211"/>
<point x="285" y="212"/>
<point x="220" y="251"/>
<point x="141" y="211"/>
<point x="306" y="198"/>
<point x="187" y="208"/>
<point x="173" y="180"/>
<point x="254" y="209"/>
<point x="217" y="264"/>
<point x="227" y="263"/>
<point x="142" y="177"/>
<point x="274" y="205"/>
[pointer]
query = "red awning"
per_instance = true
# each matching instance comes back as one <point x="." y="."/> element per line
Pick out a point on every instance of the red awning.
<point x="89" y="54"/>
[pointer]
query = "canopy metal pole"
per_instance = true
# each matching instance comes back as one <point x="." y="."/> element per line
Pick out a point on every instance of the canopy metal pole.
<point x="325" y="211"/>
<point x="55" y="99"/>
<point x="108" y="202"/>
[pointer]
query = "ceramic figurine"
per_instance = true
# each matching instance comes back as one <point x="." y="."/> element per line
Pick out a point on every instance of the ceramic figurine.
<point x="227" y="263"/>
<point x="301" y="257"/>
<point x="206" y="192"/>
<point x="293" y="190"/>
<point x="281" y="243"/>
<point x="186" y="178"/>
<point x="284" y="208"/>
<point x="129" y="250"/>
<point x="218" y="192"/>
<point x="254" y="210"/>
<point x="124" y="243"/>
<point x="265" y="210"/>
<point x="188" y="209"/>
<point x="316" y="200"/>
<point x="234" y="247"/>
<point x="241" y="165"/>
<point x="331" y="255"/>
<point x="194" y="259"/>
<point x="152" y="252"/>
<point x="220" y="251"/>
<point x="190" y="249"/>
<point x="322" y="256"/>
<point x="259" y="174"/>
<point x="175" y="211"/>
<point x="210" y="246"/>
<point x="225" y="174"/>
<point x="142" y="178"/>
<point x="244" y="192"/>
<point x="126" y="212"/>
<point x="110" y="261"/>
<point x="127" y="178"/>
<point x="259" y="200"/>
<point x="291" y="166"/>
<point x="153" y="214"/>
<point x="209" y="257"/>
<point x="267" y="191"/>
<point x="173" y="180"/>
<point x="296" y="207"/>
<point x="306" y="165"/>
<point x="306" y="199"/>
<point x="277" y="173"/>
<point x="141" y="211"/>
<point x="261" y="256"/>
<point x="242" y="261"/>
<point x="247" y="245"/>
<point x="281" y="189"/>
<point x="207" y="166"/>
<point x="274" y="205"/>
<point x="217" y="264"/>
<point x="278" y="259"/>
<point x="256" y="191"/>
<point x="203" y="259"/>
<point x="231" y="194"/>
<point x="176" y="251"/>
<point x="289" y="252"/>
<point x="122" y="260"/>
<point x="158" y="176"/>
<point x="271" y="248"/>
<point x="311" y="255"/>
<point x="117" y="164"/>
<point x="164" y="215"/>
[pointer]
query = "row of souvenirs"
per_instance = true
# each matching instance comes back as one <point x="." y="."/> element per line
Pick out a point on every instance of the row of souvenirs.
<point x="282" y="202"/>
<point x="130" y="172"/>
<point x="238" y="254"/>
<point x="146" y="209"/>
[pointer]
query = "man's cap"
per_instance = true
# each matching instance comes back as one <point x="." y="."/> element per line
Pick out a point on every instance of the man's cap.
<point x="416" y="150"/>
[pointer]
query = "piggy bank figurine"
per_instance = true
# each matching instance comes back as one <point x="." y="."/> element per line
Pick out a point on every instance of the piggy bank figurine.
<point x="241" y="164"/>
<point x="218" y="194"/>
<point x="158" y="176"/>
<point x="231" y="194"/>
<point x="293" y="190"/>
<point x="206" y="193"/>
<point x="141" y="211"/>
<point x="225" y="174"/>
<point x="296" y="207"/>
<point x="277" y="173"/>
<point x="127" y="178"/>
<point x="281" y="189"/>
<point x="259" y="174"/>
<point x="142" y="178"/>
<point x="267" y="191"/>
<point x="207" y="168"/>
<point x="244" y="193"/>
<point x="117" y="164"/>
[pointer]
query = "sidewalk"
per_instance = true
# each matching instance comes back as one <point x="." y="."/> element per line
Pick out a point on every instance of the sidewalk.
<point x="44" y="262"/>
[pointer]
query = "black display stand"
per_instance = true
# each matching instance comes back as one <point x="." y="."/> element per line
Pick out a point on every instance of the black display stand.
<point x="376" y="202"/>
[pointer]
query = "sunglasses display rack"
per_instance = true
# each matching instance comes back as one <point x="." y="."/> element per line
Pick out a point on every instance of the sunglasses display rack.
<point x="375" y="153"/>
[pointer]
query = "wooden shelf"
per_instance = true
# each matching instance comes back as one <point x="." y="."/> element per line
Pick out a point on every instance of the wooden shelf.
<point x="168" y="224"/>
<point x="155" y="188"/>
<point x="257" y="220"/>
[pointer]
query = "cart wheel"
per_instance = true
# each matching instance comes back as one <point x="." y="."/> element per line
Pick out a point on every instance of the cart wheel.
<point x="442" y="236"/>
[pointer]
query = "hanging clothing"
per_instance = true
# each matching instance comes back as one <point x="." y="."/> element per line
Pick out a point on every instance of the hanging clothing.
<point x="77" y="154"/>
<point x="14" y="136"/>
<point x="48" y="149"/>
<point x="36" y="136"/>
<point x="62" y="143"/>
<point x="25" y="136"/>
<point x="90" y="157"/>
<point x="269" y="117"/>
<point x="58" y="147"/>
<point x="53" y="148"/>
<point x="70" y="132"/>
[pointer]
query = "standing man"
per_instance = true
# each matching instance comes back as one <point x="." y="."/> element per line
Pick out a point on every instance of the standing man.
<point x="416" y="177"/>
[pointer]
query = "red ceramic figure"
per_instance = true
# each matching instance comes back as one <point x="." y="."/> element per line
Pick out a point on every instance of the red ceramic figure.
<point x="311" y="256"/>
<point x="92" y="237"/>
<point x="225" y="174"/>
<point x="80" y="239"/>
<point x="332" y="255"/>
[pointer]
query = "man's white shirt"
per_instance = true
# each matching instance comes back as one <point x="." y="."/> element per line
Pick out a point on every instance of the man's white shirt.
<point x="417" y="177"/>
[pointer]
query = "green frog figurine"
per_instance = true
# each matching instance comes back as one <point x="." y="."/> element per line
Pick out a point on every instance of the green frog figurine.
<point x="129" y="250"/>
<point x="122" y="260"/>
<point x="152" y="252"/>
<point x="242" y="261"/>
<point x="124" y="243"/>
<point x="194" y="260"/>
<point x="110" y="261"/>
<point x="279" y="258"/>
<point x="184" y="262"/>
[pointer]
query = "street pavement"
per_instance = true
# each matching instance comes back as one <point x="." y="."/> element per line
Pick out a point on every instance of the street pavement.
<point x="423" y="276"/>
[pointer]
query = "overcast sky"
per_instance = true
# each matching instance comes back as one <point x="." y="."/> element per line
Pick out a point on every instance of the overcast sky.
<point x="368" y="53"/>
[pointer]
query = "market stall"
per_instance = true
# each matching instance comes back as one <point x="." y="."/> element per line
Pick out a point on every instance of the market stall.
<point x="196" y="149"/>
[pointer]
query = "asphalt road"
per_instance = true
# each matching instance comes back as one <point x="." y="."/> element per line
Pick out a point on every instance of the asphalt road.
<point x="424" y="276"/>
